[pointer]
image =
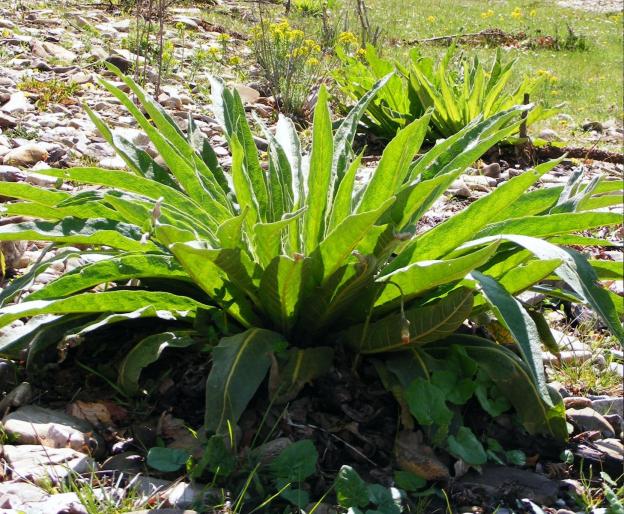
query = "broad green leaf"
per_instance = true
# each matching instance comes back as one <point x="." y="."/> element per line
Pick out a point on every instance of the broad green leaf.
<point x="239" y="365"/>
<point x="230" y="113"/>
<point x="394" y="165"/>
<point x="514" y="379"/>
<point x="214" y="281"/>
<point x="280" y="290"/>
<point x="25" y="191"/>
<point x="419" y="277"/>
<point x="351" y="490"/>
<point x="319" y="175"/>
<point x="607" y="270"/>
<point x="144" y="353"/>
<point x="465" y="446"/>
<point x="516" y="319"/>
<point x="105" y="301"/>
<point x="426" y="323"/>
<point x="295" y="463"/>
<point x="427" y="403"/>
<point x="121" y="180"/>
<point x="167" y="459"/>
<point x="553" y="224"/>
<point x="268" y="237"/>
<point x="575" y="271"/>
<point x="302" y="367"/>
<point x="342" y="205"/>
<point x="334" y="250"/>
<point x="115" y="269"/>
<point x="78" y="231"/>
<point x="343" y="140"/>
<point x="461" y="227"/>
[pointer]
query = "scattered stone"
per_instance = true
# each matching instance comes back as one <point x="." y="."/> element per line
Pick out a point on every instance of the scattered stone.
<point x="129" y="463"/>
<point x="612" y="447"/>
<point x="46" y="50"/>
<point x="17" y="103"/>
<point x="609" y="405"/>
<point x="25" y="155"/>
<point x="567" y="357"/>
<point x="58" y="504"/>
<point x="248" y="94"/>
<point x="549" y="135"/>
<point x="120" y="62"/>
<point x="497" y="481"/>
<point x="32" y="462"/>
<point x="186" y="22"/>
<point x="7" y="121"/>
<point x="180" y="495"/>
<point x="21" y="395"/>
<point x="587" y="419"/>
<point x="492" y="170"/>
<point x="415" y="457"/>
<point x="576" y="402"/>
<point x="19" y="495"/>
<point x="32" y="424"/>
<point x="592" y="125"/>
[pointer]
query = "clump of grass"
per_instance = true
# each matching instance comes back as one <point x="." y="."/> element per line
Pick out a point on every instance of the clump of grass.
<point x="21" y="132"/>
<point x="53" y="91"/>
<point x="584" y="377"/>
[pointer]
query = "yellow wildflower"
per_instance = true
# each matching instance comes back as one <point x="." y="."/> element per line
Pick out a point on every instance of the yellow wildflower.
<point x="347" y="38"/>
<point x="487" y="14"/>
<point x="312" y="61"/>
<point x="431" y="19"/>
<point x="532" y="13"/>
<point x="234" y="60"/>
<point x="223" y="38"/>
<point x="516" y="13"/>
<point x="360" y="52"/>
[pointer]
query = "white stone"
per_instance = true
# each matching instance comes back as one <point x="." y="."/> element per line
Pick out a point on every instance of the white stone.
<point x="18" y="103"/>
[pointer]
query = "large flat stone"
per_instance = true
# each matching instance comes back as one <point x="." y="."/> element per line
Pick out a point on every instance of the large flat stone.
<point x="54" y="429"/>
<point x="33" y="461"/>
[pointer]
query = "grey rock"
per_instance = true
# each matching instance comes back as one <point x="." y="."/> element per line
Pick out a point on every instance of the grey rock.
<point x="126" y="462"/>
<point x="609" y="405"/>
<point x="612" y="447"/>
<point x="7" y="121"/>
<point x="180" y="495"/>
<point x="498" y="480"/>
<point x="549" y="135"/>
<point x="567" y="357"/>
<point x="33" y="462"/>
<point x="32" y="424"/>
<point x="492" y="170"/>
<point x="616" y="421"/>
<point x="576" y="402"/>
<point x="123" y="64"/>
<point x="248" y="94"/>
<point x="587" y="419"/>
<point x="17" y="103"/>
<point x="57" y="504"/>
<point x="16" y="495"/>
<point x="25" y="155"/>
<point x="592" y="125"/>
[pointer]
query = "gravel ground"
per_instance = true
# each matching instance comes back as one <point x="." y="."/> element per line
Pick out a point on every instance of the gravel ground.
<point x="594" y="5"/>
